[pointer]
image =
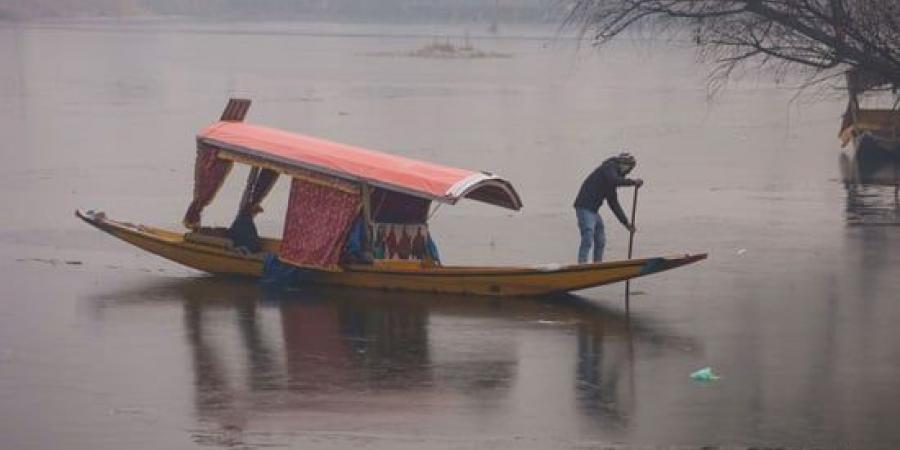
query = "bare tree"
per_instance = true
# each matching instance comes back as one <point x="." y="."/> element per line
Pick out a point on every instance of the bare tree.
<point x="818" y="38"/>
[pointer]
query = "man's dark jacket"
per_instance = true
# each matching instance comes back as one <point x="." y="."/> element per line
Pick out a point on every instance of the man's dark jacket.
<point x="601" y="185"/>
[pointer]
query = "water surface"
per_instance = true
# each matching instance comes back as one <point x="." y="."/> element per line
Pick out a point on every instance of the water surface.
<point x="103" y="346"/>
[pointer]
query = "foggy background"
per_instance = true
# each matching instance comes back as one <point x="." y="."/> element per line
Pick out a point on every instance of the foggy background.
<point x="454" y="11"/>
<point x="104" y="346"/>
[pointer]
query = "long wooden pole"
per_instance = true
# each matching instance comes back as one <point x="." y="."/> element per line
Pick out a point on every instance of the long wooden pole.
<point x="631" y="246"/>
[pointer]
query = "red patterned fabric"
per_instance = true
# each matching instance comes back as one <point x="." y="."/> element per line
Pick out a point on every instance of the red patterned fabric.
<point x="316" y="225"/>
<point x="209" y="174"/>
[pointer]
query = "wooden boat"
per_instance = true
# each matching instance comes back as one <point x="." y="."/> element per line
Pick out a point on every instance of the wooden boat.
<point x="362" y="176"/>
<point x="870" y="137"/>
<point x="218" y="256"/>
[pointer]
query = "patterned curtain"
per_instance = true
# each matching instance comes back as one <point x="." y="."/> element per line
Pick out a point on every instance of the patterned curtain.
<point x="316" y="225"/>
<point x="259" y="185"/>
<point x="401" y="241"/>
<point x="209" y="174"/>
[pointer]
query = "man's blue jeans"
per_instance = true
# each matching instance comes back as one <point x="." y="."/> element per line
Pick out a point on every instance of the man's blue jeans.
<point x="592" y="234"/>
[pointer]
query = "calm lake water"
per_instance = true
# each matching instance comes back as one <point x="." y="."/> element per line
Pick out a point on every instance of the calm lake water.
<point x="105" y="347"/>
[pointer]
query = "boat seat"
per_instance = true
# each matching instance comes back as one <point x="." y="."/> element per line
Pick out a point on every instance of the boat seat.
<point x="206" y="239"/>
<point x="212" y="231"/>
<point x="398" y="264"/>
<point x="223" y="243"/>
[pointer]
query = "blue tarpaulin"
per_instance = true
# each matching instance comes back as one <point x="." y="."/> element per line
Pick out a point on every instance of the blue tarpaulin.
<point x="277" y="274"/>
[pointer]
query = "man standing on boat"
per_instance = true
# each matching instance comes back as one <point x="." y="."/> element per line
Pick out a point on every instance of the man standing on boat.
<point x="601" y="185"/>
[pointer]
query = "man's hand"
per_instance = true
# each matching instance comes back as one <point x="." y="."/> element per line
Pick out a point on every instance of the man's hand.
<point x="638" y="182"/>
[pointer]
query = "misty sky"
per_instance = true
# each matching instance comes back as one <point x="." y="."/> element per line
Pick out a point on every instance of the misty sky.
<point x="385" y="10"/>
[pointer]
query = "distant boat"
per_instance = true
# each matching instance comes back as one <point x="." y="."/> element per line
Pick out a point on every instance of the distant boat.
<point x="870" y="138"/>
<point x="336" y="189"/>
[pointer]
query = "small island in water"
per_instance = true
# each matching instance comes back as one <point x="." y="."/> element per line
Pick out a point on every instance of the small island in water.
<point x="445" y="49"/>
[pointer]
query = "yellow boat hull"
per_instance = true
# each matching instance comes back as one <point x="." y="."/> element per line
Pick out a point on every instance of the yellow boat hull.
<point x="400" y="275"/>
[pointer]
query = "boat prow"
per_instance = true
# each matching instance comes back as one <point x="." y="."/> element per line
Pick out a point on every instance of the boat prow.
<point x="216" y="255"/>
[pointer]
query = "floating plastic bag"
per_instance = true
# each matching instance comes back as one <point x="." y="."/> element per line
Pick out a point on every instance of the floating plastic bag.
<point x="704" y="374"/>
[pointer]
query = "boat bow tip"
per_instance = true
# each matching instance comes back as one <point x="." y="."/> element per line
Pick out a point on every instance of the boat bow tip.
<point x="90" y="215"/>
<point x="654" y="265"/>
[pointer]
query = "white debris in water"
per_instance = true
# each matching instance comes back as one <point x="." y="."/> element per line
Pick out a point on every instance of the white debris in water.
<point x="139" y="414"/>
<point x="741" y="251"/>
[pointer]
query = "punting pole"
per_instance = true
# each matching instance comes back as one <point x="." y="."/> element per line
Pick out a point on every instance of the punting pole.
<point x="631" y="246"/>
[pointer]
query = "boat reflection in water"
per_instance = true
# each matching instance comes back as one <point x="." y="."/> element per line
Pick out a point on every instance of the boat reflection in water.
<point x="872" y="205"/>
<point x="274" y="368"/>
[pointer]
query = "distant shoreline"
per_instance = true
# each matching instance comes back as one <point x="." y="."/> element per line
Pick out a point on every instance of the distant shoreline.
<point x="438" y="12"/>
<point x="296" y="27"/>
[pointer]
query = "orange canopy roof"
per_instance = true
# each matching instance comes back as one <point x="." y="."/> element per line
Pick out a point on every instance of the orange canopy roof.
<point x="284" y="151"/>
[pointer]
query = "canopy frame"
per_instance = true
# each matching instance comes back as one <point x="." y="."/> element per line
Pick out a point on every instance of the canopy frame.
<point x="298" y="155"/>
<point x="467" y="188"/>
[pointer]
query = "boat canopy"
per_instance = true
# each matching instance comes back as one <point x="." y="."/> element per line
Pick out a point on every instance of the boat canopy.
<point x="289" y="153"/>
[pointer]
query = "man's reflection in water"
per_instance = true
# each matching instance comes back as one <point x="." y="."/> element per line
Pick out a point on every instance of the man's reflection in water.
<point x="605" y="369"/>
<point x="602" y="364"/>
